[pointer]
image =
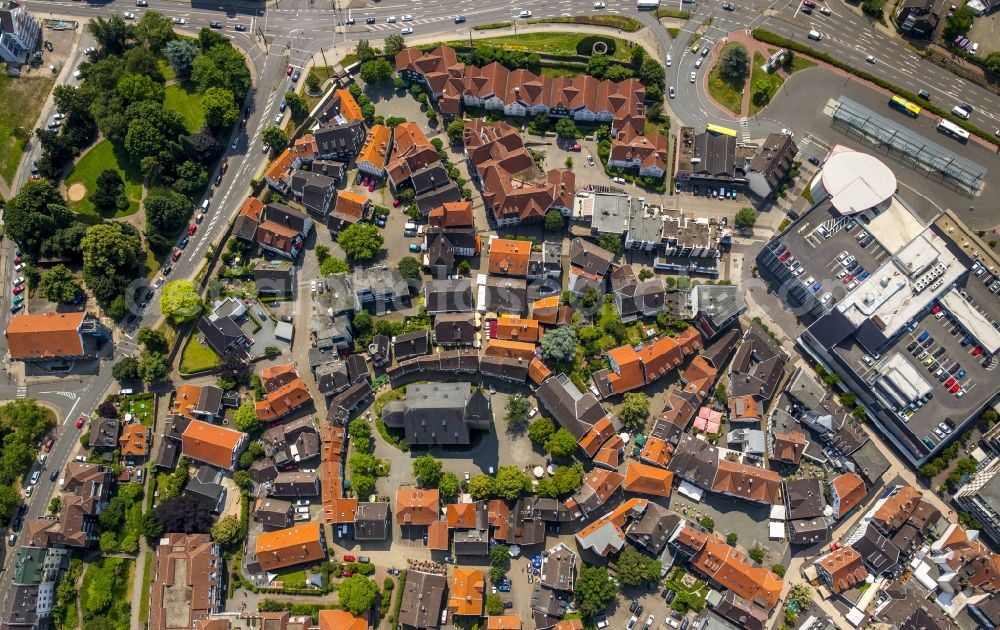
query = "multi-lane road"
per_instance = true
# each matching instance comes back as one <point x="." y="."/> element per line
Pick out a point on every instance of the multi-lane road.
<point x="293" y="31"/>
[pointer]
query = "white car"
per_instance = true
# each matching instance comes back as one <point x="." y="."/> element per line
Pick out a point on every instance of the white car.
<point x="826" y="298"/>
<point x="18" y="281"/>
<point x="669" y="60"/>
<point x="467" y="476"/>
<point x="391" y="19"/>
<point x="870" y="58"/>
<point x="303" y="502"/>
<point x="649" y="621"/>
<point x="787" y="132"/>
<point x="128" y="15"/>
<point x="673" y="92"/>
<point x="590" y="159"/>
<point x="180" y="21"/>
<point x="618" y="180"/>
<point x="599" y="5"/>
<point x="825" y="10"/>
<point x="533" y="413"/>
<point x="406" y="30"/>
<point x="524" y="14"/>
<point x="697" y="62"/>
<point x="407" y="18"/>
<point x="809" y="281"/>
<point x="694" y="76"/>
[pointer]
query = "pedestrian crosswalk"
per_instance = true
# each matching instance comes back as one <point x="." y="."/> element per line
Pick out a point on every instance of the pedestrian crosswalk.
<point x="745" y="130"/>
<point x="22" y="391"/>
<point x="395" y="26"/>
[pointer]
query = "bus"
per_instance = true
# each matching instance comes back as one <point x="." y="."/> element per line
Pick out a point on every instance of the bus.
<point x="905" y="106"/>
<point x="951" y="129"/>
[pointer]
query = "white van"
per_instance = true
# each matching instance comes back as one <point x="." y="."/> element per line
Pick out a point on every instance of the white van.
<point x="204" y="205"/>
<point x="77" y="75"/>
<point x="961" y="113"/>
<point x="813" y="34"/>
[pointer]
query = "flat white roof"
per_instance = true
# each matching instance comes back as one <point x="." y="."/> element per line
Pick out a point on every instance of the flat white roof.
<point x="975" y="322"/>
<point x="856" y="181"/>
<point x="895" y="226"/>
<point x="904" y="376"/>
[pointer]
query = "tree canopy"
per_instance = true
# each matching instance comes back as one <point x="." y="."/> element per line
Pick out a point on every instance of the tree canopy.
<point x="409" y="268"/>
<point x="376" y="71"/>
<point x="594" y="590"/>
<point x="510" y="482"/>
<point x="554" y="220"/>
<point x="560" y="444"/>
<point x="516" y="412"/>
<point x="180" y="301"/>
<point x="427" y="470"/>
<point x="59" y="285"/>
<point x="958" y="23"/>
<point x="635" y="410"/>
<point x="746" y="218"/>
<point x="361" y="242"/>
<point x="636" y="568"/>
<point x="540" y="430"/>
<point x="183" y="513"/>
<point x="735" y="61"/>
<point x="246" y="419"/>
<point x="127" y="369"/>
<point x="227" y="530"/>
<point x="357" y="594"/>
<point x="559" y="345"/>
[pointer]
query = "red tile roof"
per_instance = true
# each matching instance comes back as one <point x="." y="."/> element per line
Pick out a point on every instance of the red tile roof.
<point x="538" y="372"/>
<point x="133" y="441"/>
<point x="461" y="515"/>
<point x="454" y="214"/>
<point x="509" y="257"/>
<point x="416" y="507"/>
<point x="465" y="596"/>
<point x="437" y="536"/>
<point x="517" y="329"/>
<point x="644" y="479"/>
<point x="851" y="490"/>
<point x="598" y="434"/>
<point x="45" y="335"/>
<point x="657" y="451"/>
<point x="282" y="401"/>
<point x="733" y="570"/>
<point x="788" y="447"/>
<point x="376" y="149"/>
<point x="546" y="310"/>
<point x="212" y="444"/>
<point x="748" y="482"/>
<point x="511" y="349"/>
<point x="291" y="546"/>
<point x="845" y="568"/>
<point x="340" y="620"/>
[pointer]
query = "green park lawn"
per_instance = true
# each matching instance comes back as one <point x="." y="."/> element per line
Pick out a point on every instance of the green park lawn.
<point x="293" y="578"/>
<point x="141" y="406"/>
<point x="197" y="357"/>
<point x="21" y="100"/>
<point x="100" y="158"/>
<point x="727" y="92"/>
<point x="758" y="77"/>
<point x="166" y="70"/>
<point x="185" y="100"/>
<point x="551" y="43"/>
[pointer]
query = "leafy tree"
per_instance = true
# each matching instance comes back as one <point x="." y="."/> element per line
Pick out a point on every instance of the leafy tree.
<point x="707" y="522"/>
<point x="127" y="369"/>
<point x="134" y="88"/>
<point x="357" y="594"/>
<point x="735" y="62"/>
<point x="112" y="34"/>
<point x="246" y="419"/>
<point x="651" y="72"/>
<point x="568" y="479"/>
<point x="560" y="444"/>
<point x="993" y="61"/>
<point x="494" y="604"/>
<point x="183" y="514"/>
<point x="541" y="429"/>
<point x="427" y="470"/>
<point x="958" y="23"/>
<point x="449" y="486"/>
<point x="361" y="242"/>
<point x="333" y="265"/>
<point x="393" y="44"/>
<point x="481" y="487"/>
<point x="731" y="539"/>
<point x="362" y="324"/>
<point x="635" y="410"/>
<point x="363" y="464"/>
<point x="594" y="589"/>
<point x="721" y="393"/>
<point x="610" y="242"/>
<point x="566" y="128"/>
<point x="456" y="132"/>
<point x="152" y="339"/>
<point x="297" y="105"/>
<point x="364" y="52"/>
<point x="151" y="129"/>
<point x="463" y="268"/>
<point x="616" y="72"/>
<point x="645" y="274"/>
<point x="497" y="574"/>
<point x="597" y="65"/>
<point x="227" y="531"/>
<point x="221" y="110"/>
<point x="635" y="568"/>
<point x="756" y="554"/>
<point x="180" y="301"/>
<point x="510" y="482"/>
<point x="499" y="556"/>
<point x="364" y="485"/>
<point x="153" y="367"/>
<point x="154" y="31"/>
<point x="312" y="82"/>
<point x="517" y="409"/>
<point x="10" y="501"/>
<point x="109" y="195"/>
<point x="221" y="65"/>
<point x="59" y="285"/>
<point x="35" y="215"/>
<point x="275" y="138"/>
<point x="778" y="569"/>
<point x="409" y="268"/>
<point x="376" y="71"/>
<point x="559" y="345"/>
<point x="745" y="218"/>
<point x="554" y="221"/>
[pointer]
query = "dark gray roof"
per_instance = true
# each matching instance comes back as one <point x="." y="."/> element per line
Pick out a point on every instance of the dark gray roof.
<point x="22" y="611"/>
<point x="574" y="410"/>
<point x="221" y="334"/>
<point x="263" y="470"/>
<point x="589" y="257"/>
<point x="273" y="512"/>
<point x="809" y="531"/>
<point x="804" y="498"/>
<point x="332" y="377"/>
<point x="439" y="413"/>
<point x="330" y="168"/>
<point x="340" y="139"/>
<point x="380" y="344"/>
<point x="742" y="612"/>
<point x="357" y="367"/>
<point x="878" y="553"/>
<point x="526" y="527"/>
<point x="440" y="253"/>
<point x="653" y="530"/>
<point x="286" y="216"/>
<point x="987" y="611"/>
<point x="559" y="568"/>
<point x="643" y="298"/>
<point x="104" y="433"/>
<point x="695" y="460"/>
<point x="775" y="158"/>
<point x="422" y="600"/>
<point x="471" y="542"/>
<point x="716" y="152"/>
<point x="869" y="461"/>
<point x="759" y="365"/>
<point x="454" y="328"/>
<point x="547" y="606"/>
<point x="344" y="403"/>
<point x="411" y="344"/>
<point x="205" y="486"/>
<point x="295" y="484"/>
<point x="449" y="296"/>
<point x="429" y="178"/>
<point x="444" y="192"/>
<point x="245" y="228"/>
<point x="719" y="351"/>
<point x="210" y="400"/>
<point x="371" y="521"/>
<point x="551" y="510"/>
<point x="506" y="295"/>
<point x="512" y="369"/>
<point x="313" y="189"/>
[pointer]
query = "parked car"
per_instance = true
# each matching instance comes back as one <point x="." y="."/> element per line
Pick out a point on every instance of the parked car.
<point x="47" y="446"/>
<point x="79" y="422"/>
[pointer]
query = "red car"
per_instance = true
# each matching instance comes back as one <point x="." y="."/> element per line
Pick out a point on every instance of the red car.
<point x="79" y="422"/>
<point x="347" y="573"/>
<point x="18" y="289"/>
<point x="977" y="351"/>
<point x="395" y="203"/>
<point x="192" y="229"/>
<point x="848" y="278"/>
<point x="48" y="444"/>
<point x="225" y="167"/>
<point x="954" y="388"/>
<point x="350" y="558"/>
<point x="17" y="260"/>
<point x="936" y="309"/>
<point x="784" y="256"/>
<point x="575" y="147"/>
<point x="289" y="71"/>
<point x="371" y="189"/>
<point x="948" y="384"/>
<point x="176" y="255"/>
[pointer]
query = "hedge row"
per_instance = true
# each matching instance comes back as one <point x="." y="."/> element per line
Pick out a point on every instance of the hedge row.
<point x="627" y="24"/>
<point x="491" y="26"/>
<point x="671" y="13"/>
<point x="776" y="40"/>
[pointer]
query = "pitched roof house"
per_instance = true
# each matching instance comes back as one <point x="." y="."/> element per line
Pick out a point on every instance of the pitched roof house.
<point x="466" y="592"/>
<point x="416" y="507"/>
<point x="188" y="582"/>
<point x="375" y="153"/>
<point x="456" y="214"/>
<point x="644" y="479"/>
<point x="213" y="444"/>
<point x="55" y="336"/>
<point x="439" y="413"/>
<point x="635" y="298"/>
<point x="349" y="209"/>
<point x="509" y="257"/>
<point x="846" y="492"/>
<point x="289" y="547"/>
<point x="422" y="600"/>
<point x="842" y="569"/>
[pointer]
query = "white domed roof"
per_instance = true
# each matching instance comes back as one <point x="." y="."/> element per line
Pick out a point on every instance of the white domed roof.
<point x="857" y="181"/>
